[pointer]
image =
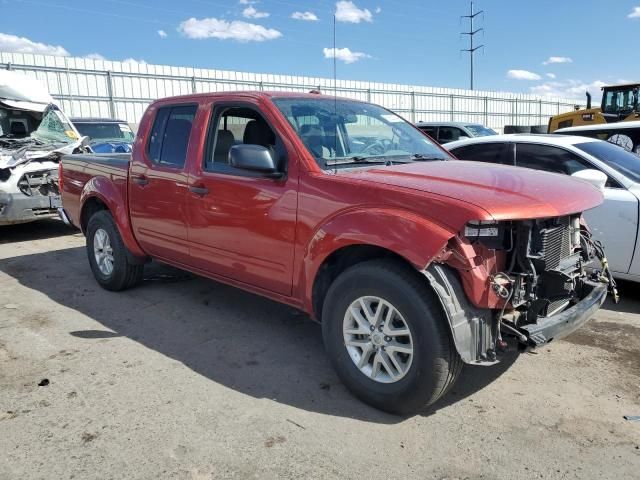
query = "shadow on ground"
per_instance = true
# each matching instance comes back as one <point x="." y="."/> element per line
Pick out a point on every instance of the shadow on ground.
<point x="629" y="298"/>
<point x="38" y="230"/>
<point x="239" y="340"/>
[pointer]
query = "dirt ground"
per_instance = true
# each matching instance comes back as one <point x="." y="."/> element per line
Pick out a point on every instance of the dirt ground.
<point x="187" y="378"/>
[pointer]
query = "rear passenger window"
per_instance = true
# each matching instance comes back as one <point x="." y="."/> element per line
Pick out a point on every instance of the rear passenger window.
<point x="170" y="135"/>
<point x="549" y="159"/>
<point x="483" y="152"/>
<point x="431" y="131"/>
<point x="449" y="134"/>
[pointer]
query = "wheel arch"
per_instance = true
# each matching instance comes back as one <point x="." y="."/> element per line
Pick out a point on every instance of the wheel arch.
<point x="100" y="193"/>
<point x="360" y="235"/>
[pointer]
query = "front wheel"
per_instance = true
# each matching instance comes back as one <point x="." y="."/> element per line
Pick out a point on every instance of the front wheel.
<point x="108" y="254"/>
<point x="387" y="337"/>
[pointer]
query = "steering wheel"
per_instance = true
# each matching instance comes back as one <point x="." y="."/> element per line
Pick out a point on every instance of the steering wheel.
<point x="378" y="147"/>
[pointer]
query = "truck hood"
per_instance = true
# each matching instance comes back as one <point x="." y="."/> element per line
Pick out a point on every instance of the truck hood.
<point x="506" y="193"/>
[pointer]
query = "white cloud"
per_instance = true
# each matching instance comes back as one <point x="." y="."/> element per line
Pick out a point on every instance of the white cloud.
<point x="347" y="11"/>
<point x="133" y="60"/>
<point x="378" y="9"/>
<point x="554" y="60"/>
<point x="522" y="75"/>
<point x="224" y="30"/>
<point x="251" y="12"/>
<point x="551" y="75"/>
<point x="162" y="34"/>
<point x="248" y="2"/>
<point x="635" y="13"/>
<point x="94" y="56"/>
<point x="344" y="54"/>
<point x="307" y="16"/>
<point x="13" y="43"/>
<point x="574" y="89"/>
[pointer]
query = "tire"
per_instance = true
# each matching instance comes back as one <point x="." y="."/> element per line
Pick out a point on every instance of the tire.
<point x="123" y="274"/>
<point x="434" y="365"/>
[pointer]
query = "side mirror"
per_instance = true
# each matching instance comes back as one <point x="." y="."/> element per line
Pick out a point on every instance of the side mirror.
<point x="594" y="177"/>
<point x="255" y="158"/>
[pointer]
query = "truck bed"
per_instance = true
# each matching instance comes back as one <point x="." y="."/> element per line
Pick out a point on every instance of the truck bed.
<point x="77" y="170"/>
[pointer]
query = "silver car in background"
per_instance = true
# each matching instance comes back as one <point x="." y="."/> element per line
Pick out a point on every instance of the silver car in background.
<point x="445" y="132"/>
<point x="615" y="222"/>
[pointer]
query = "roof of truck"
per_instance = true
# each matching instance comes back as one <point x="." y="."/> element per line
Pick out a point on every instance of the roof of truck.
<point x="253" y="94"/>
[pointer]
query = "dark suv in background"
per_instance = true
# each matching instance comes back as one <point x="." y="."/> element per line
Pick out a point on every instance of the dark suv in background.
<point x="106" y="135"/>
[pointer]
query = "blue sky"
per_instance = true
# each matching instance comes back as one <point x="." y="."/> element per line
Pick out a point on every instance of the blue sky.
<point x="553" y="47"/>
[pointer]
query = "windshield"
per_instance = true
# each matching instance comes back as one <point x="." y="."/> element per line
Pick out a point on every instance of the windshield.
<point x="480" y="130"/>
<point x="617" y="158"/>
<point x="616" y="101"/>
<point x="120" y="132"/>
<point x="343" y="132"/>
<point x="54" y="128"/>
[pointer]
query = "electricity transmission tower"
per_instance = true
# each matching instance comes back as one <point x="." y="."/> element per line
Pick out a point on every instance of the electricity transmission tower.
<point x="472" y="33"/>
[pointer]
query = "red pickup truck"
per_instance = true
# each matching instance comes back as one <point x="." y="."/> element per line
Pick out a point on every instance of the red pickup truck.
<point x="413" y="262"/>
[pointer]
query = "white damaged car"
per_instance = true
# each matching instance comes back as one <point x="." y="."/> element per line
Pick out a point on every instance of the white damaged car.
<point x="34" y="134"/>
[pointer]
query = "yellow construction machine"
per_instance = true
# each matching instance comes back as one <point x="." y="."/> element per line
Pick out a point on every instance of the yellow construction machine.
<point x="619" y="104"/>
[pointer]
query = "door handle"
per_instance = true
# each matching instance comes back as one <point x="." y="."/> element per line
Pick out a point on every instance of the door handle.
<point x="141" y="180"/>
<point x="202" y="191"/>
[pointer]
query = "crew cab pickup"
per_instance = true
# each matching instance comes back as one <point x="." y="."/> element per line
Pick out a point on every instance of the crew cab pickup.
<point x="413" y="262"/>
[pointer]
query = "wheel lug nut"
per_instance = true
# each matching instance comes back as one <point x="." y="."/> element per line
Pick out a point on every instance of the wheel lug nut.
<point x="372" y="328"/>
<point x="380" y="328"/>
<point x="387" y="339"/>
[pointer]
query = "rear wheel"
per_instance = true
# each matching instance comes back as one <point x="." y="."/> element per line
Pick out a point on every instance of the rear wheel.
<point x="386" y="335"/>
<point x="108" y="254"/>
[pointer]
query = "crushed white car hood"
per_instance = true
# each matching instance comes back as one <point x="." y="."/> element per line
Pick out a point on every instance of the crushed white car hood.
<point x="20" y="91"/>
<point x="9" y="159"/>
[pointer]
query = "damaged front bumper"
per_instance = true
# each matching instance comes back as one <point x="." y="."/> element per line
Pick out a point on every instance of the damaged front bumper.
<point x="475" y="330"/>
<point x="20" y="208"/>
<point x="566" y="322"/>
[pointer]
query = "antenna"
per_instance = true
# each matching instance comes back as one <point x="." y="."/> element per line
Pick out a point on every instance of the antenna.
<point x="472" y="33"/>
<point x="335" y="98"/>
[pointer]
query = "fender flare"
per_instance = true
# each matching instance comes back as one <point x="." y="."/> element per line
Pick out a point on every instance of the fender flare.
<point x="414" y="237"/>
<point x="104" y="190"/>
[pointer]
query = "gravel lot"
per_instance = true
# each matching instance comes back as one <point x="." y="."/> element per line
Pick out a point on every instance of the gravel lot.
<point x="187" y="378"/>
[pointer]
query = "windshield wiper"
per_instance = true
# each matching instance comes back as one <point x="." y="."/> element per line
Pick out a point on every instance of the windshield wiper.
<point x="421" y="157"/>
<point x="357" y="159"/>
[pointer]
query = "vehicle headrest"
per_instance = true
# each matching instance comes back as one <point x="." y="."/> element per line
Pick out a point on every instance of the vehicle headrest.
<point x="257" y="132"/>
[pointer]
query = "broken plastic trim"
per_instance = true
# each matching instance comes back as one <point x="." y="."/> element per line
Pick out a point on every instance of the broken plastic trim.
<point x="471" y="327"/>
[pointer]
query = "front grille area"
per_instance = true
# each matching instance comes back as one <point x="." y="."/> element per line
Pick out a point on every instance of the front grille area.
<point x="39" y="183"/>
<point x="555" y="245"/>
<point x="555" y="261"/>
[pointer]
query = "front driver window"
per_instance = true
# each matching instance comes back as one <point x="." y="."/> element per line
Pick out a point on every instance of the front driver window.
<point x="238" y="126"/>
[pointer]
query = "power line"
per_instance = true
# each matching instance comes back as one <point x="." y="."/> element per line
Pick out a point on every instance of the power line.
<point x="472" y="33"/>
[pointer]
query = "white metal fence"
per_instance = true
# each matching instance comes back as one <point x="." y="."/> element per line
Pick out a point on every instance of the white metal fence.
<point x="100" y="88"/>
